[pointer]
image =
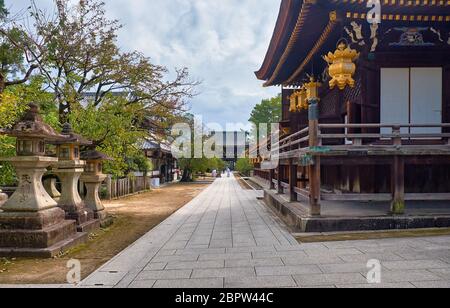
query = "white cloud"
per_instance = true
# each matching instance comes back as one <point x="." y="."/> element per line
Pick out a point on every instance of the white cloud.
<point x="221" y="42"/>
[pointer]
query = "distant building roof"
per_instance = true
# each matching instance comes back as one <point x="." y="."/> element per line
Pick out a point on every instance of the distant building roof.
<point x="155" y="145"/>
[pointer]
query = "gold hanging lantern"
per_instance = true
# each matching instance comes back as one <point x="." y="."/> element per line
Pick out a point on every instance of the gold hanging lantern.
<point x="341" y="65"/>
<point x="293" y="102"/>
<point x="312" y="89"/>
<point x="286" y="131"/>
<point x="302" y="103"/>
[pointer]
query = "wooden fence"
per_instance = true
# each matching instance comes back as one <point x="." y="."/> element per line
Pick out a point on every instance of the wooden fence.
<point x="111" y="188"/>
<point x="125" y="187"/>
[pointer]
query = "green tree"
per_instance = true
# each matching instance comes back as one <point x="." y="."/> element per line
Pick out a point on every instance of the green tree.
<point x="16" y="67"/>
<point x="3" y="11"/>
<point x="112" y="128"/>
<point x="114" y="98"/>
<point x="83" y="58"/>
<point x="13" y="102"/>
<point x="217" y="164"/>
<point x="268" y="111"/>
<point x="244" y="166"/>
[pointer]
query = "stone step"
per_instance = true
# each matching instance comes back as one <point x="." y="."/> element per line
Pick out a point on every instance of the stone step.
<point x="50" y="252"/>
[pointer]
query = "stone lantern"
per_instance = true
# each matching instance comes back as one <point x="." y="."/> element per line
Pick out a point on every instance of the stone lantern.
<point x="93" y="177"/>
<point x="31" y="223"/>
<point x="69" y="169"/>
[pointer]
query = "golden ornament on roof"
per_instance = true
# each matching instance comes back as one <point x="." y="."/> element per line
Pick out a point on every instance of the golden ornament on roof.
<point x="341" y="66"/>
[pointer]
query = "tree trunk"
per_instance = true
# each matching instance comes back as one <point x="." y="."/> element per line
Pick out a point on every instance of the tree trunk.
<point x="187" y="176"/>
<point x="2" y="83"/>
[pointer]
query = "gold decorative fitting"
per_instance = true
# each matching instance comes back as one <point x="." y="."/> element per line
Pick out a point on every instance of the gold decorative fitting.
<point x="302" y="100"/>
<point x="298" y="101"/>
<point x="341" y="66"/>
<point x="312" y="89"/>
<point x="293" y="102"/>
<point x="333" y="16"/>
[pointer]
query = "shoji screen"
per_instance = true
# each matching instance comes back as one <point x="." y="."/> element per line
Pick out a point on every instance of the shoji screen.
<point x="394" y="97"/>
<point x="411" y="96"/>
<point x="426" y="98"/>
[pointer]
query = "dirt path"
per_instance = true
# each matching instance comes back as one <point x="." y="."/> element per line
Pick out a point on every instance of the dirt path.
<point x="134" y="217"/>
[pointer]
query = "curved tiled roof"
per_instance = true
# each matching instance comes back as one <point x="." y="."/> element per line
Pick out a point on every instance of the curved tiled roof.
<point x="284" y="26"/>
<point x="289" y="53"/>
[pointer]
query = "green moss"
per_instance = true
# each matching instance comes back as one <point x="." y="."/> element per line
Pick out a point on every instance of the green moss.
<point x="398" y="207"/>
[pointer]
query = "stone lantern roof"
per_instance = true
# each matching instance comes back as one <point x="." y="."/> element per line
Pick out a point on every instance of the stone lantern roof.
<point x="31" y="125"/>
<point x="94" y="155"/>
<point x="71" y="137"/>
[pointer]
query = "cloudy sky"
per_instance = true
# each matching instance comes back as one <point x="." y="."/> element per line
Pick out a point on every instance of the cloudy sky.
<point x="221" y="42"/>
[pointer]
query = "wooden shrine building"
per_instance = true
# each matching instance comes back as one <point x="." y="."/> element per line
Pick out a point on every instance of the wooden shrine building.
<point x="366" y="106"/>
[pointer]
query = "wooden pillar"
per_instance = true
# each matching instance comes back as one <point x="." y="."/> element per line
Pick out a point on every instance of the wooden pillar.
<point x="109" y="187"/>
<point x="398" y="186"/>
<point x="272" y="177"/>
<point x="280" y="179"/>
<point x="314" y="169"/>
<point x="314" y="187"/>
<point x="355" y="178"/>
<point x="292" y="180"/>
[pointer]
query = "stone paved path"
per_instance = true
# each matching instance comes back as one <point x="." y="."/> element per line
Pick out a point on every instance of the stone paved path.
<point x="226" y="238"/>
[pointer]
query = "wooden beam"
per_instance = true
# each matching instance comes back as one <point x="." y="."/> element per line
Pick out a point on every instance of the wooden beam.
<point x="383" y="197"/>
<point x="314" y="170"/>
<point x="292" y="180"/>
<point x="398" y="186"/>
<point x="357" y="197"/>
<point x="427" y="197"/>
<point x="272" y="177"/>
<point x="280" y="179"/>
<point x="315" y="187"/>
<point x="302" y="192"/>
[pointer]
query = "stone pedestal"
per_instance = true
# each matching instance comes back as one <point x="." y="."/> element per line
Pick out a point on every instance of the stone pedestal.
<point x="31" y="224"/>
<point x="69" y="173"/>
<point x="50" y="187"/>
<point x="92" y="199"/>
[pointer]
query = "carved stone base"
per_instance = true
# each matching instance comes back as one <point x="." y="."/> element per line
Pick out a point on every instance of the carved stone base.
<point x="92" y="199"/>
<point x="31" y="220"/>
<point x="89" y="226"/>
<point x="69" y="173"/>
<point x="105" y="219"/>
<point x="101" y="215"/>
<point x="38" y="234"/>
<point x="47" y="253"/>
<point x="81" y="216"/>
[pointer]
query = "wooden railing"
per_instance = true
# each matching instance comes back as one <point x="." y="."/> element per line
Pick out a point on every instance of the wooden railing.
<point x="395" y="137"/>
<point x="292" y="142"/>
